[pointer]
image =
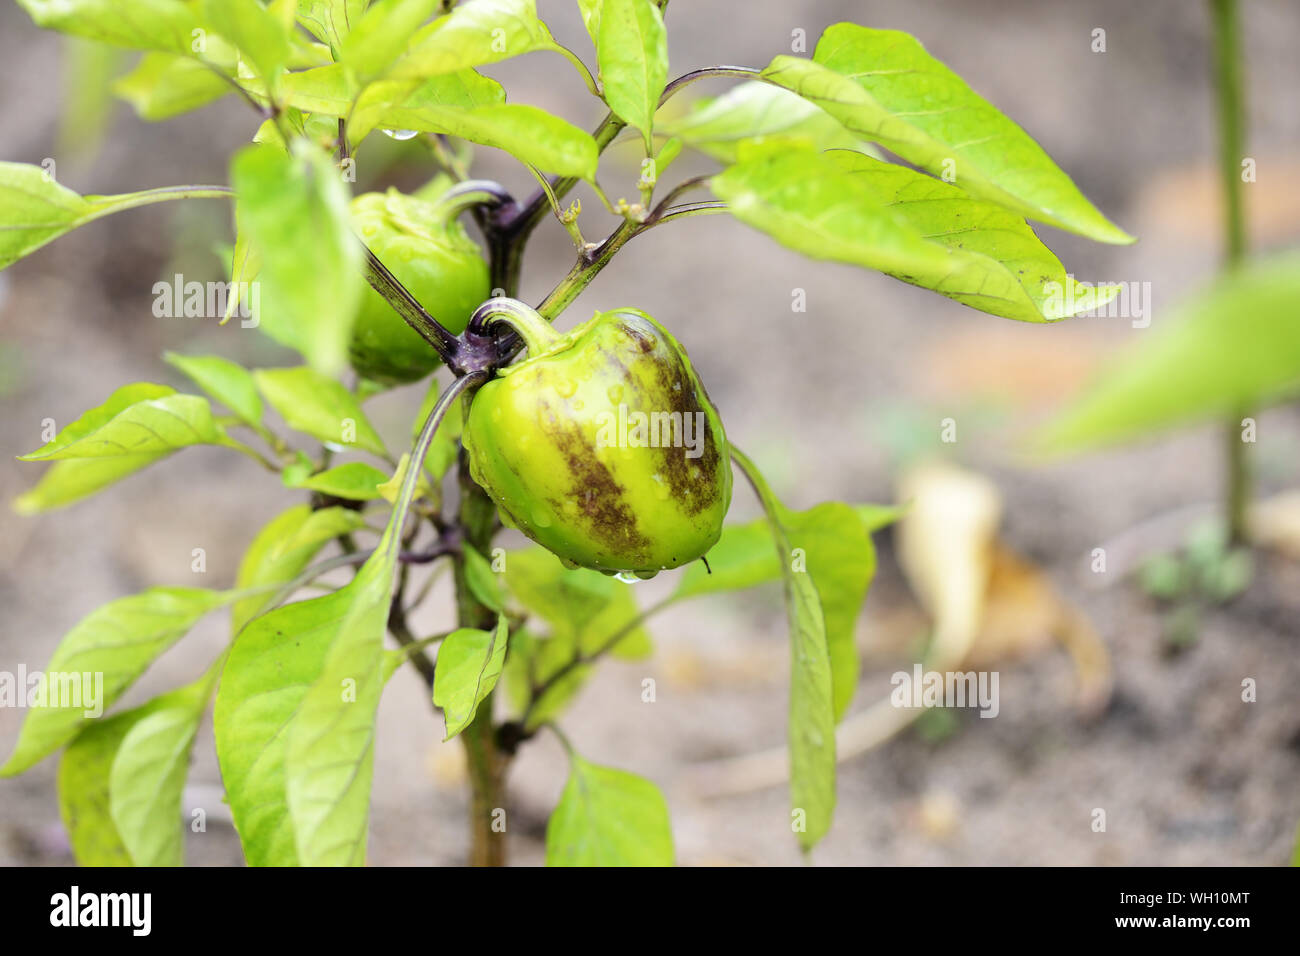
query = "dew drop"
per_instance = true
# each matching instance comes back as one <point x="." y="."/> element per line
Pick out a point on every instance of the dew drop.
<point x="402" y="134"/>
<point x="565" y="387"/>
<point x="541" y="518"/>
<point x="615" y="394"/>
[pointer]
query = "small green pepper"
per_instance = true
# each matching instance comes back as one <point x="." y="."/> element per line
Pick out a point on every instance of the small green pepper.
<point x="602" y="445"/>
<point x="430" y="253"/>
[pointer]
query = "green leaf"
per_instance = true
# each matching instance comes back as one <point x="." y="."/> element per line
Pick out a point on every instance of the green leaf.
<point x="148" y="775"/>
<point x="528" y="133"/>
<point x="135" y="24"/>
<point x="164" y="85"/>
<point x="590" y="10"/>
<point x="354" y="480"/>
<point x="280" y="552"/>
<point x="330" y="21"/>
<point x="1005" y="253"/>
<point x="812" y="703"/>
<point x="742" y="558"/>
<point x="245" y="264"/>
<point x="477" y="32"/>
<point x="585" y="606"/>
<point x="382" y="35"/>
<point x="230" y="384"/>
<point x="632" y="53"/>
<point x="876" y="517"/>
<point x="67" y="482"/>
<point x="295" y="714"/>
<point x="534" y="660"/>
<point x="136" y="420"/>
<point x="835" y="206"/>
<point x="118" y="640"/>
<point x="1233" y="346"/>
<point x="608" y="817"/>
<point x="83" y="790"/>
<point x="756" y="112"/>
<point x="482" y="580"/>
<point x="884" y="87"/>
<point x="469" y="663"/>
<point x="319" y="406"/>
<point x="295" y="211"/>
<point x="35" y="209"/>
<point x="256" y="31"/>
<point x="841" y="560"/>
<point x="83" y="783"/>
<point x="329" y="760"/>
<point x="834" y="548"/>
<point x="275" y="661"/>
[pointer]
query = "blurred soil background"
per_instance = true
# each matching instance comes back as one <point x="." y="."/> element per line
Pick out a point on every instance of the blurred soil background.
<point x="828" y="402"/>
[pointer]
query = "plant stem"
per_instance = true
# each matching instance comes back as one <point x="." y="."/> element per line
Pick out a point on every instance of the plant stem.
<point x="487" y="765"/>
<point x="586" y="269"/>
<point x="1230" y="94"/>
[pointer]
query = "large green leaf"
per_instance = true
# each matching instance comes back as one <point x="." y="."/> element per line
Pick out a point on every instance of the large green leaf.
<point x="835" y="206"/>
<point x="275" y="661"/>
<point x="148" y="775"/>
<point x="137" y="24"/>
<point x="117" y="641"/>
<point x="224" y="380"/>
<point x="945" y="214"/>
<point x="319" y="406"/>
<point x="632" y="52"/>
<point x="164" y="85"/>
<point x="469" y="664"/>
<point x="477" y="32"/>
<point x="812" y="699"/>
<point x="131" y="424"/>
<point x="608" y="817"/>
<point x="329" y="755"/>
<point x="295" y="713"/>
<point x="295" y="211"/>
<point x="884" y="87"/>
<point x="755" y="112"/>
<point x="1233" y="347"/>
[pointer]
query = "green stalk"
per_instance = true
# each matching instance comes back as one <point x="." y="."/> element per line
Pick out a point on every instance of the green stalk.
<point x="487" y="764"/>
<point x="1230" y="95"/>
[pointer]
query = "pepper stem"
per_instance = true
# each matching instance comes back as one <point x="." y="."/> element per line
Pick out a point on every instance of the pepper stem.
<point x="470" y="194"/>
<point x="537" y="333"/>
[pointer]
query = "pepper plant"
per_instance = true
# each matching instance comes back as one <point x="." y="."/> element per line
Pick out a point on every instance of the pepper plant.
<point x="601" y="444"/>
